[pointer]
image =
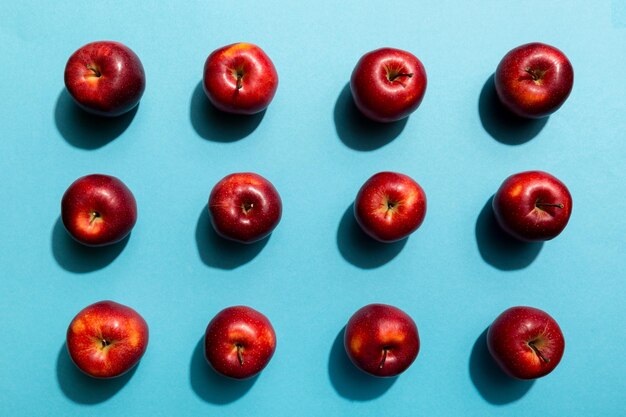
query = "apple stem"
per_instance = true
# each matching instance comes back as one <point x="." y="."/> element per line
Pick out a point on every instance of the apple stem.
<point x="559" y="205"/>
<point x="384" y="358"/>
<point x="536" y="74"/>
<point x="239" y="81"/>
<point x="240" y="354"/>
<point x="538" y="352"/>
<point x="94" y="69"/>
<point x="94" y="216"/>
<point x="401" y="74"/>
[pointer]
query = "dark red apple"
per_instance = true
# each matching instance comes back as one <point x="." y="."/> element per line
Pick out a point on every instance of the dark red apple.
<point x="534" y="80"/>
<point x="244" y="207"/>
<point x="98" y="210"/>
<point x="107" y="339"/>
<point x="526" y="342"/>
<point x="390" y="206"/>
<point x="381" y="340"/>
<point x="239" y="342"/>
<point x="388" y="84"/>
<point x="105" y="78"/>
<point x="532" y="206"/>
<point x="240" y="78"/>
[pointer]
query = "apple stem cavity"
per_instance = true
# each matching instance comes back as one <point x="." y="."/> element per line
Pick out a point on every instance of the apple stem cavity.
<point x="536" y="74"/>
<point x="393" y="76"/>
<point x="401" y="74"/>
<point x="95" y="70"/>
<point x="240" y="354"/>
<point x="94" y="215"/>
<point x="559" y="205"/>
<point x="538" y="352"/>
<point x="246" y="207"/>
<point x="105" y="343"/>
<point x="384" y="358"/>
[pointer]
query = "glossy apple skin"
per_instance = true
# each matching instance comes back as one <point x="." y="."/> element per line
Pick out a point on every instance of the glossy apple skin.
<point x="526" y="342"/>
<point x="239" y="342"/>
<point x="240" y="78"/>
<point x="388" y="84"/>
<point x="107" y="339"/>
<point x="381" y="340"/>
<point x="534" y="80"/>
<point x="98" y="210"/>
<point x="390" y="206"/>
<point x="532" y="206"/>
<point x="105" y="78"/>
<point x="244" y="207"/>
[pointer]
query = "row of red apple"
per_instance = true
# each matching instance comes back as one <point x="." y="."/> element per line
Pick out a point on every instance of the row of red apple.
<point x="100" y="210"/>
<point x="107" y="339"/>
<point x="387" y="84"/>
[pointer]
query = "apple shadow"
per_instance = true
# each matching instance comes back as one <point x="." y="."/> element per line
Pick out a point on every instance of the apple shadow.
<point x="217" y="252"/>
<point x="348" y="380"/>
<point x="357" y="131"/>
<point x="497" y="248"/>
<point x="490" y="381"/>
<point x="361" y="250"/>
<point x="218" y="126"/>
<point x="83" y="389"/>
<point x="85" y="130"/>
<point x="211" y="386"/>
<point x="78" y="258"/>
<point x="503" y="125"/>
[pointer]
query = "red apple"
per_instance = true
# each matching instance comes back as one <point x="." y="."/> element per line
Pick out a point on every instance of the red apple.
<point x="390" y="206"/>
<point x="244" y="207"/>
<point x="98" y="210"/>
<point x="107" y="339"/>
<point x="526" y="342"/>
<point x="239" y="342"/>
<point x="388" y="84"/>
<point x="532" y="206"/>
<point x="240" y="78"/>
<point x="534" y="80"/>
<point x="381" y="340"/>
<point x="105" y="78"/>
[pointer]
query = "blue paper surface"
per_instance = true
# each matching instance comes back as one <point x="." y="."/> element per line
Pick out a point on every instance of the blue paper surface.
<point x="453" y="276"/>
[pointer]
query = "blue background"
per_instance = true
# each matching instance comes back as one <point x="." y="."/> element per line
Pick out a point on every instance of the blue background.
<point x="453" y="276"/>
